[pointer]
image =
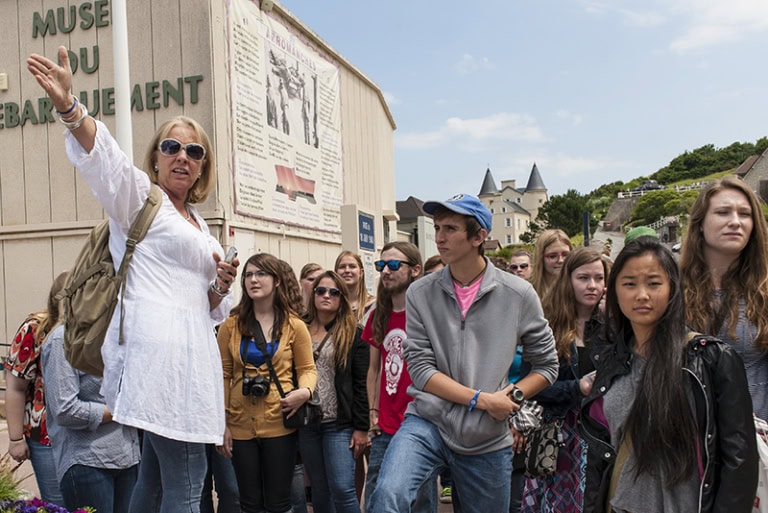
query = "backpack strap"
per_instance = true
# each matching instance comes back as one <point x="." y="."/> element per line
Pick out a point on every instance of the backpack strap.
<point x="136" y="234"/>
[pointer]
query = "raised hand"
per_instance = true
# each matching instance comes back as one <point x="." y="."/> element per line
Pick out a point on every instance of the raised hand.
<point x="55" y="80"/>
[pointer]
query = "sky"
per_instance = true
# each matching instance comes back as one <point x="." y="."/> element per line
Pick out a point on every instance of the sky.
<point x="591" y="91"/>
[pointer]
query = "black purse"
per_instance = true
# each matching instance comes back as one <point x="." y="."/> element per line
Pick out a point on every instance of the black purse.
<point x="308" y="414"/>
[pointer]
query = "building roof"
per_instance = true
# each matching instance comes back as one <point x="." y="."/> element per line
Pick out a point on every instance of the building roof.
<point x="517" y="207"/>
<point x="535" y="183"/>
<point x="410" y="208"/>
<point x="491" y="245"/>
<point x="489" y="185"/>
<point x="746" y="166"/>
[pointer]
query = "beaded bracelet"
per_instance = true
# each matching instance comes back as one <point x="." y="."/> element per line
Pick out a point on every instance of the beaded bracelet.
<point x="74" y="104"/>
<point x="74" y="125"/>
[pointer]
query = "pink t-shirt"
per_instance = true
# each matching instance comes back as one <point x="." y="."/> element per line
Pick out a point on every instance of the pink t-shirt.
<point x="393" y="398"/>
<point x="465" y="295"/>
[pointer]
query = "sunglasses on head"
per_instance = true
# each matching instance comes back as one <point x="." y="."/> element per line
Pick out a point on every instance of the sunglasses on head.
<point x="393" y="265"/>
<point x="321" y="291"/>
<point x="515" y="267"/>
<point x="171" y="147"/>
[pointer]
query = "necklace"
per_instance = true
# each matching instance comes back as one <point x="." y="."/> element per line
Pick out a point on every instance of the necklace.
<point x="470" y="282"/>
<point x="187" y="217"/>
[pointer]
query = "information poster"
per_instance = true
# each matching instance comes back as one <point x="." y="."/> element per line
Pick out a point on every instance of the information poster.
<point x="287" y="123"/>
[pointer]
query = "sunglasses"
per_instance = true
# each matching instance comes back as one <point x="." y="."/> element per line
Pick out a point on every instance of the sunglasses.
<point x="172" y="147"/>
<point x="321" y="291"/>
<point x="393" y="265"/>
<point x="515" y="267"/>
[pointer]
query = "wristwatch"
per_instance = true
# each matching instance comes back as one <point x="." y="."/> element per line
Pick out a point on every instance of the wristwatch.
<point x="517" y="395"/>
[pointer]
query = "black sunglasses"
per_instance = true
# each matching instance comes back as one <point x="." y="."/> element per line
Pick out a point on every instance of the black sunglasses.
<point x="393" y="265"/>
<point x="515" y="266"/>
<point x="321" y="291"/>
<point x="171" y="147"/>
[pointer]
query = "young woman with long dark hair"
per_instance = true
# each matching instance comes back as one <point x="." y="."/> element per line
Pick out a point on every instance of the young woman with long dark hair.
<point x="668" y="420"/>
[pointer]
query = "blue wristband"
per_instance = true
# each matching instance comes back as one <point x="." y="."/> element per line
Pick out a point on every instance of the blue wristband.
<point x="74" y="104"/>
<point x="473" y="402"/>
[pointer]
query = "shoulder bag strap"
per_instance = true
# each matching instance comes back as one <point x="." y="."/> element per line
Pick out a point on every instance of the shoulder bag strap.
<point x="261" y="343"/>
<point x="316" y="352"/>
<point x="136" y="234"/>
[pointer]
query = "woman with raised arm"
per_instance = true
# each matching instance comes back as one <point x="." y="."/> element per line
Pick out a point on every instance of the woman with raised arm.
<point x="165" y="378"/>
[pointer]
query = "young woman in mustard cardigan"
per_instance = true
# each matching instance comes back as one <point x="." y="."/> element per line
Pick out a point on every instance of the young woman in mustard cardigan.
<point x="263" y="451"/>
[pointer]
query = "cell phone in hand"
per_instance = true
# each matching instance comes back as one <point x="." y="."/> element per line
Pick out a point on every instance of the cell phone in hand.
<point x="231" y="254"/>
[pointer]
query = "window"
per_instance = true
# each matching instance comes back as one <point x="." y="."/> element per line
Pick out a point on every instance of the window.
<point x="518" y="224"/>
<point x="509" y="239"/>
<point x="503" y="209"/>
<point x="507" y="222"/>
<point x="519" y="200"/>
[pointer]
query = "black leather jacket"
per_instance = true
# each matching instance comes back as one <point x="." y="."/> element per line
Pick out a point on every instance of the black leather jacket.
<point x="726" y="433"/>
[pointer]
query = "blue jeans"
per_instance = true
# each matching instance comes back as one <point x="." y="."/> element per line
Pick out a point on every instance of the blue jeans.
<point x="426" y="498"/>
<point x="171" y="476"/>
<point x="105" y="489"/>
<point x="298" y="490"/>
<point x="417" y="453"/>
<point x="41" y="457"/>
<point x="330" y="464"/>
<point x="221" y="474"/>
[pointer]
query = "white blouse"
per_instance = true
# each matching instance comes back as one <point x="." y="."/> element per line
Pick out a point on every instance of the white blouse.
<point x="166" y="377"/>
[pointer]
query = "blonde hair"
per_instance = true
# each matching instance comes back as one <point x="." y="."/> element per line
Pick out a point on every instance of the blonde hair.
<point x="198" y="193"/>
<point x="364" y="299"/>
<point x="540" y="279"/>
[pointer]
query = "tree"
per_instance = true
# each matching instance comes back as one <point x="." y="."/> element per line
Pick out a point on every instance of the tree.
<point x="653" y="205"/>
<point x="565" y="211"/>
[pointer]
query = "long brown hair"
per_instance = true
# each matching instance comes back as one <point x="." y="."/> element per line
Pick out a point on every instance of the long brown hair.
<point x="560" y="306"/>
<point x="384" y="297"/>
<point x="746" y="278"/>
<point x="345" y="323"/>
<point x="363" y="297"/>
<point x="540" y="279"/>
<point x="282" y="306"/>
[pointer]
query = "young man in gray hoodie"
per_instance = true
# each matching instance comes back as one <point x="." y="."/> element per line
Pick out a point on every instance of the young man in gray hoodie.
<point x="463" y="327"/>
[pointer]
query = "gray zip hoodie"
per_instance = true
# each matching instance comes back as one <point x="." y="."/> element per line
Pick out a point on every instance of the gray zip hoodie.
<point x="476" y="352"/>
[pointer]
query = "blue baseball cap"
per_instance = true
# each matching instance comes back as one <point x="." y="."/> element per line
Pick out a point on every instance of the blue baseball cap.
<point x="466" y="205"/>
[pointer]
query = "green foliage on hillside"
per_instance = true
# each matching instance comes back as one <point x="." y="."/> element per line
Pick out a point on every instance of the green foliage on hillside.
<point x="703" y="164"/>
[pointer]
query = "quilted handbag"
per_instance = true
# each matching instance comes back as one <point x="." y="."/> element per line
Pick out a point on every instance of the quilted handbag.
<point x="542" y="448"/>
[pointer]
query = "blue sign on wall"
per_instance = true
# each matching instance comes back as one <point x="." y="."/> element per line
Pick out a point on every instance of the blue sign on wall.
<point x="365" y="232"/>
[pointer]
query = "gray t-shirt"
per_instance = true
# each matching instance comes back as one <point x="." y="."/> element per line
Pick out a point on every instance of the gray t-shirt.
<point x="646" y="494"/>
<point x="755" y="360"/>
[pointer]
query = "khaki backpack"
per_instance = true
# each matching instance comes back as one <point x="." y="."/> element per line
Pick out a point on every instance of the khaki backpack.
<point x="90" y="294"/>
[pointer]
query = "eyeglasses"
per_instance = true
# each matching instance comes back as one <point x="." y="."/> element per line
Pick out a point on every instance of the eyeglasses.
<point x="393" y="265"/>
<point x="321" y="291"/>
<point x="515" y="267"/>
<point x="259" y="275"/>
<point x="554" y="256"/>
<point x="172" y="147"/>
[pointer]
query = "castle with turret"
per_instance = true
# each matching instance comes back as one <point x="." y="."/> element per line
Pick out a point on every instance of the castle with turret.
<point x="513" y="208"/>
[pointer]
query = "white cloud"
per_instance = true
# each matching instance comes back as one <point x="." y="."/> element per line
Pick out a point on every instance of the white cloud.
<point x="633" y="17"/>
<point x="505" y="126"/>
<point x="471" y="64"/>
<point x="572" y="117"/>
<point x="391" y="99"/>
<point x="712" y="23"/>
